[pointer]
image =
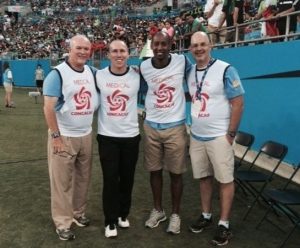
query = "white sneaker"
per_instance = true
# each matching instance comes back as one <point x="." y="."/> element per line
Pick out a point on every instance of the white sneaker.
<point x="155" y="218"/>
<point x="124" y="223"/>
<point x="174" y="224"/>
<point x="111" y="231"/>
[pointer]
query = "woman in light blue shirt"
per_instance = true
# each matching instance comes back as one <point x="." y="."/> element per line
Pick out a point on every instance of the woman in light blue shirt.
<point x="8" y="85"/>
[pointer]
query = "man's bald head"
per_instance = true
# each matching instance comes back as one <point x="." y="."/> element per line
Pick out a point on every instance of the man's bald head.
<point x="162" y="35"/>
<point x="200" y="36"/>
<point x="200" y="48"/>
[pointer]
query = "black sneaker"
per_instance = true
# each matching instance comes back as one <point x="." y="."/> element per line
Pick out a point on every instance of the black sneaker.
<point x="81" y="221"/>
<point x="222" y="237"/>
<point x="65" y="234"/>
<point x="200" y="224"/>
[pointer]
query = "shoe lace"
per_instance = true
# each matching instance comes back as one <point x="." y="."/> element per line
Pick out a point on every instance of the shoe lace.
<point x="223" y="231"/>
<point x="174" y="220"/>
<point x="153" y="214"/>
<point x="202" y="220"/>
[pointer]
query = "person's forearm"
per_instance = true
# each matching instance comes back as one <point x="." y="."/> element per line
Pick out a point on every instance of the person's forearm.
<point x="237" y="106"/>
<point x="235" y="15"/>
<point x="50" y="115"/>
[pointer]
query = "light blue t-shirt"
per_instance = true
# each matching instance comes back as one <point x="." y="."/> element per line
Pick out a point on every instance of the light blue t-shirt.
<point x="53" y="87"/>
<point x="6" y="78"/>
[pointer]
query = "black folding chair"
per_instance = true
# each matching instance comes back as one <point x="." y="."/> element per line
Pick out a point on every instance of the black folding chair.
<point x="283" y="200"/>
<point x="273" y="154"/>
<point x="245" y="141"/>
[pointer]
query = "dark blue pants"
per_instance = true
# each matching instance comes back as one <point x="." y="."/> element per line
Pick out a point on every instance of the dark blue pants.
<point x="118" y="157"/>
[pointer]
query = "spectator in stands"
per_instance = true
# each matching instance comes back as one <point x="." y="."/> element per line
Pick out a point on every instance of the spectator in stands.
<point x="7" y="79"/>
<point x="70" y="99"/>
<point x="169" y="28"/>
<point x="267" y="9"/>
<point x="164" y="126"/>
<point x="179" y="31"/>
<point x="213" y="13"/>
<point x="99" y="48"/>
<point x="39" y="78"/>
<point x="193" y="24"/>
<point x="162" y="26"/>
<point x="153" y="29"/>
<point x="284" y="8"/>
<point x="295" y="7"/>
<point x="118" y="135"/>
<point x="141" y="44"/>
<point x="217" y="106"/>
<point x="233" y="13"/>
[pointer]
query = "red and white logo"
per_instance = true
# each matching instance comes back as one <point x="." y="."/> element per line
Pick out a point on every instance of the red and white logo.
<point x="204" y="99"/>
<point x="164" y="93"/>
<point x="117" y="101"/>
<point x="83" y="99"/>
<point x="199" y="107"/>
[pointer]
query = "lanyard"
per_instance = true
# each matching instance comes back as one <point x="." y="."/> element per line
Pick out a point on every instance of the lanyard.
<point x="199" y="84"/>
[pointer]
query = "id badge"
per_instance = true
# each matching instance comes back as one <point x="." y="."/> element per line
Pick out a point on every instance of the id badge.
<point x="196" y="106"/>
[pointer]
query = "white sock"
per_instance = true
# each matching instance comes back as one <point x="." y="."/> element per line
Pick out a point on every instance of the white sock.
<point x="207" y="215"/>
<point x="224" y="223"/>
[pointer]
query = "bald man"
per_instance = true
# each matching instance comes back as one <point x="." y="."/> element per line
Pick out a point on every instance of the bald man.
<point x="70" y="99"/>
<point x="217" y="106"/>
<point x="118" y="135"/>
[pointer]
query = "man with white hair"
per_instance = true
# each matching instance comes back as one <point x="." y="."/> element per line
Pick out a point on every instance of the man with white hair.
<point x="70" y="99"/>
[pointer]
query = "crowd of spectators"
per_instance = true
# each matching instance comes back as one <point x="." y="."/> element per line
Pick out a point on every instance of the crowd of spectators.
<point x="45" y="32"/>
<point x="47" y="35"/>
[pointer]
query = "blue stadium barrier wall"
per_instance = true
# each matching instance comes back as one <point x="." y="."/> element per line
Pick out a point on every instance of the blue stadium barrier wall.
<point x="23" y="71"/>
<point x="271" y="77"/>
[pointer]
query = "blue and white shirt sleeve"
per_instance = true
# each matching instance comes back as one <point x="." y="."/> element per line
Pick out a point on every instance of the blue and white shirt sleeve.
<point x="52" y="85"/>
<point x="232" y="83"/>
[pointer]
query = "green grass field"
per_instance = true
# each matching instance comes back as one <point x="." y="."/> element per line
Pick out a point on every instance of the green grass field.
<point x="25" y="218"/>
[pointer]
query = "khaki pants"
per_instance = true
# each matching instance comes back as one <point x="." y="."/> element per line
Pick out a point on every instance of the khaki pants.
<point x="165" y="149"/>
<point x="216" y="37"/>
<point x="230" y="36"/>
<point x="70" y="173"/>
<point x="212" y="158"/>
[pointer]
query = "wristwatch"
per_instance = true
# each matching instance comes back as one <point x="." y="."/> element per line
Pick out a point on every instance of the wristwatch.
<point x="55" y="134"/>
<point x="231" y="134"/>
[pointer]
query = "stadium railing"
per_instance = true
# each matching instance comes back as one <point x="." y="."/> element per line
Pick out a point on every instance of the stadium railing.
<point x="257" y="38"/>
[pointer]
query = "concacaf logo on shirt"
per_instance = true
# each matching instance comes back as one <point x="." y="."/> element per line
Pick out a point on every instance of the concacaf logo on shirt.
<point x="83" y="99"/>
<point x="82" y="102"/>
<point x="164" y="96"/>
<point x="118" y="103"/>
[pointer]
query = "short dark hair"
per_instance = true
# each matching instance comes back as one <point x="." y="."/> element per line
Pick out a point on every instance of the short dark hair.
<point x="163" y="34"/>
